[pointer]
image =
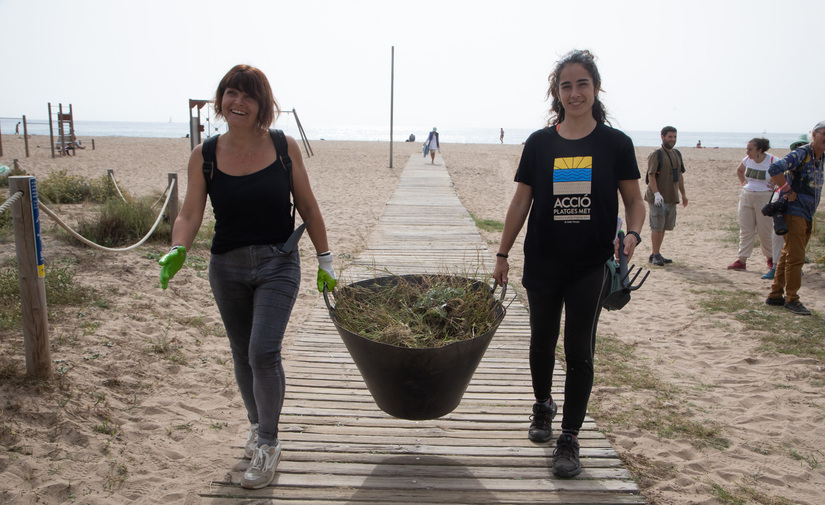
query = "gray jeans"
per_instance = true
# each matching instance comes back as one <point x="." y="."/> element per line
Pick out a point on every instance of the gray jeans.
<point x="255" y="288"/>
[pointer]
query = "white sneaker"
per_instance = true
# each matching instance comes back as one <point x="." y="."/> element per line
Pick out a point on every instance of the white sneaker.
<point x="261" y="469"/>
<point x="251" y="441"/>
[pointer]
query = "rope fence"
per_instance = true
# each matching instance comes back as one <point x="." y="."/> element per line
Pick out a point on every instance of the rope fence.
<point x="8" y="203"/>
<point x="114" y="181"/>
<point x="31" y="267"/>
<point x="109" y="249"/>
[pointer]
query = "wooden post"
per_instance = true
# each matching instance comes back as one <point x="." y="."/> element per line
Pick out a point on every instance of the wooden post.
<point x="392" y="91"/>
<point x="51" y="129"/>
<point x="31" y="273"/>
<point x="93" y="144"/>
<point x="173" y="203"/>
<point x="16" y="164"/>
<point x="26" y="135"/>
<point x="307" y="147"/>
<point x="61" y="138"/>
<point x="1" y="141"/>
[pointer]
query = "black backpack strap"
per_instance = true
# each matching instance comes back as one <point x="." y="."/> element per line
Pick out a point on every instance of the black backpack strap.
<point x="282" y="150"/>
<point x="208" y="151"/>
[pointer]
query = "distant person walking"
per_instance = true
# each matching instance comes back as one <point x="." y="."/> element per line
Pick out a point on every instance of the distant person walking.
<point x="433" y="144"/>
<point x="757" y="189"/>
<point x="802" y="189"/>
<point x="665" y="179"/>
<point x="17" y="128"/>
<point x="501" y="137"/>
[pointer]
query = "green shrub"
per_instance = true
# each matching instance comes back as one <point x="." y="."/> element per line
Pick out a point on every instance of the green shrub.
<point x="61" y="187"/>
<point x="103" y="189"/>
<point x="60" y="290"/>
<point x="122" y="224"/>
<point x="6" y="223"/>
<point x="4" y="181"/>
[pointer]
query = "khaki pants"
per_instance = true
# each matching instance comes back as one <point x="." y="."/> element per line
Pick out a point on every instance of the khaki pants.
<point x="753" y="223"/>
<point x="788" y="277"/>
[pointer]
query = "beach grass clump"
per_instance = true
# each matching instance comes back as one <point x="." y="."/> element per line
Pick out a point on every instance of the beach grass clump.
<point x="62" y="187"/>
<point x="103" y="189"/>
<point x="779" y="330"/>
<point x="6" y="223"/>
<point x="120" y="223"/>
<point x="12" y="172"/>
<point x="490" y="225"/>
<point x="61" y="289"/>
<point x="426" y="311"/>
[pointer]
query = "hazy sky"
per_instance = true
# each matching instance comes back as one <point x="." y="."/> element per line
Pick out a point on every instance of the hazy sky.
<point x="722" y="65"/>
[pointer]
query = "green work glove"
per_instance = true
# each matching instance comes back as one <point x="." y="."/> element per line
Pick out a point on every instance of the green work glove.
<point x="326" y="273"/>
<point x="170" y="263"/>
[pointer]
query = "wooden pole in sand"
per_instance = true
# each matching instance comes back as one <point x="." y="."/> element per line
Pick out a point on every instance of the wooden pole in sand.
<point x="173" y="203"/>
<point x="51" y="128"/>
<point x="392" y="91"/>
<point x="26" y="136"/>
<point x="31" y="273"/>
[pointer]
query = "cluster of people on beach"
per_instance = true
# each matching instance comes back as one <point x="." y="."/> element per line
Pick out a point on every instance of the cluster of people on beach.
<point x="569" y="180"/>
<point x="777" y="203"/>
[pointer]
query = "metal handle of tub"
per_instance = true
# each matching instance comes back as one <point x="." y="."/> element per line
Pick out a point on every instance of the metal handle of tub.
<point x="503" y="292"/>
<point x="326" y="300"/>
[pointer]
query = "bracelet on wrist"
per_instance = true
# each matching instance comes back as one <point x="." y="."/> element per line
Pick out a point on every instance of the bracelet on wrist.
<point x="502" y="255"/>
<point x="638" y="238"/>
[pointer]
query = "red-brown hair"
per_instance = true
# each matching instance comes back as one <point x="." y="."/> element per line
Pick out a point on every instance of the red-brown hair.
<point x="254" y="83"/>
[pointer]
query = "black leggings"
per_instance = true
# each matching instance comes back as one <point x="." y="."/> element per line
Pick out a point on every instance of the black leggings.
<point x="581" y="294"/>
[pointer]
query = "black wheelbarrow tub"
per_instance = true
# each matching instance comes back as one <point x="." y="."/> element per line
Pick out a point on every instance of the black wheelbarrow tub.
<point x="419" y="383"/>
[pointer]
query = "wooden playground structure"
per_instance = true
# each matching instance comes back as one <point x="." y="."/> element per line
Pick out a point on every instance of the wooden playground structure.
<point x="62" y="137"/>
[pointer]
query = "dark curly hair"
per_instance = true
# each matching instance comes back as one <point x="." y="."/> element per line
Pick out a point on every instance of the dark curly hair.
<point x="762" y="144"/>
<point x="586" y="59"/>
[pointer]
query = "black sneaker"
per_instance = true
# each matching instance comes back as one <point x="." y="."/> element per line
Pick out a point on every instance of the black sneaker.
<point x="566" y="456"/>
<point x="540" y="429"/>
<point x="658" y="260"/>
<point x="775" y="301"/>
<point x="797" y="308"/>
<point x="664" y="260"/>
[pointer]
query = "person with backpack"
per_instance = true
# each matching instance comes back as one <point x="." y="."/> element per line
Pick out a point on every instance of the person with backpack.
<point x="666" y="181"/>
<point x="250" y="174"/>
<point x="757" y="189"/>
<point x="799" y="176"/>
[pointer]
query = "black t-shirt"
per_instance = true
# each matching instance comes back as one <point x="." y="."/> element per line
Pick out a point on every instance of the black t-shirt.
<point x="251" y="209"/>
<point x="572" y="220"/>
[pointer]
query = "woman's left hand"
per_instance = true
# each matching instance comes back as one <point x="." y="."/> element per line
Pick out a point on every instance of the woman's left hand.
<point x="501" y="270"/>
<point x="326" y="272"/>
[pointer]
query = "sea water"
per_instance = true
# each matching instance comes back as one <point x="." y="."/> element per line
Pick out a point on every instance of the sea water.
<point x="464" y="135"/>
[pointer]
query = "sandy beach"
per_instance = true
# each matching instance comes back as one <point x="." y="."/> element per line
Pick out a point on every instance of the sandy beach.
<point x="124" y="423"/>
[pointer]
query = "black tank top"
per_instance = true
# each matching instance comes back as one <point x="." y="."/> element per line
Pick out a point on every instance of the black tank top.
<point x="250" y="209"/>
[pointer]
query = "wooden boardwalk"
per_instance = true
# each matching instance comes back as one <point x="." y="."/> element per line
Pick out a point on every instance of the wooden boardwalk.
<point x="338" y="447"/>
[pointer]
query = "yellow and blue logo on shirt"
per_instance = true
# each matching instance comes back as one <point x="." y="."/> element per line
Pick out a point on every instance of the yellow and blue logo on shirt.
<point x="572" y="185"/>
